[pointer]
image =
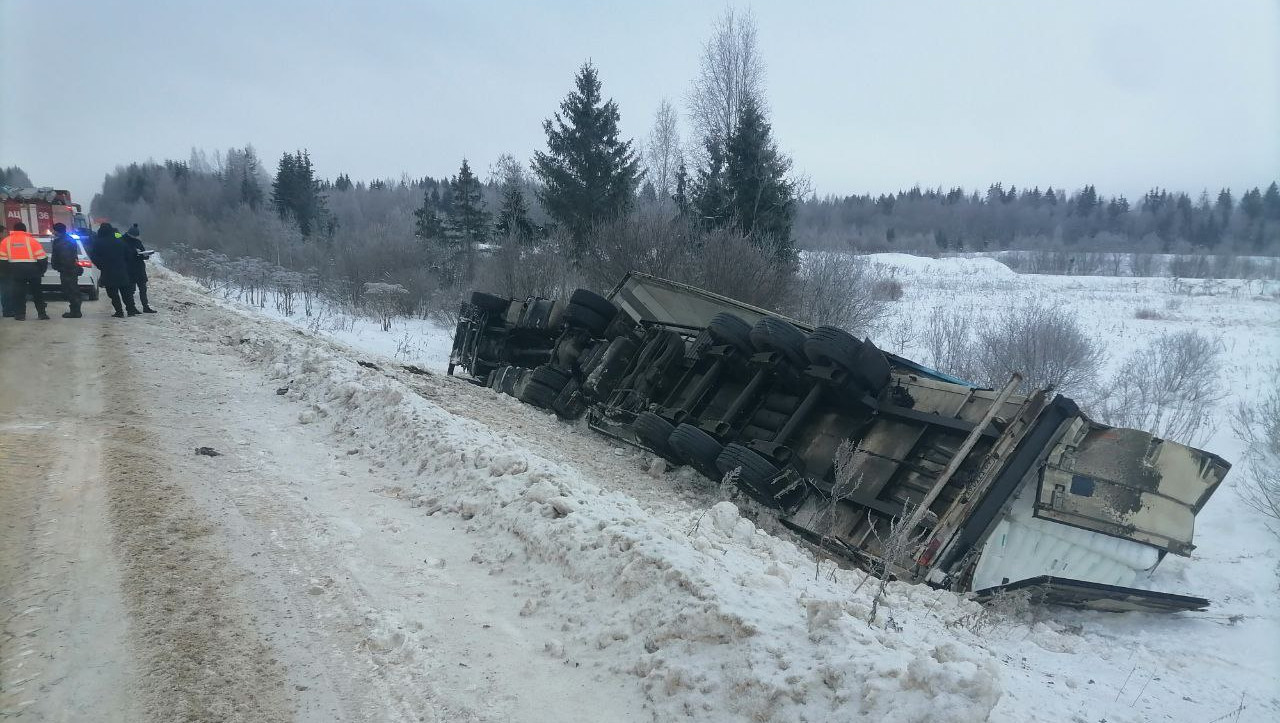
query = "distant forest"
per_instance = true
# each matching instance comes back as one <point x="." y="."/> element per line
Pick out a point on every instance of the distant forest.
<point x="937" y="220"/>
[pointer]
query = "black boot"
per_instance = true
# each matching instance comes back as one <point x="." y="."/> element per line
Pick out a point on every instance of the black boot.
<point x="148" y="310"/>
<point x="118" y="315"/>
<point x="73" y="314"/>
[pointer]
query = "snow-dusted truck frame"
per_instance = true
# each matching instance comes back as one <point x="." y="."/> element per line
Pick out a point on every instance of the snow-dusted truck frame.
<point x="865" y="454"/>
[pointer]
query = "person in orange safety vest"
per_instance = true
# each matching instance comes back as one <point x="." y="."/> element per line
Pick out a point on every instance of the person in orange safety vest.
<point x="24" y="261"/>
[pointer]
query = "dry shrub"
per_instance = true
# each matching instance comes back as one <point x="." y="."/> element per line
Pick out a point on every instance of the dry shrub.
<point x="1257" y="423"/>
<point x="733" y="266"/>
<point x="517" y="271"/>
<point x="1045" y="344"/>
<point x="1147" y="314"/>
<point x="839" y="289"/>
<point x="1170" y="388"/>
<point x="649" y="242"/>
<point x="948" y="337"/>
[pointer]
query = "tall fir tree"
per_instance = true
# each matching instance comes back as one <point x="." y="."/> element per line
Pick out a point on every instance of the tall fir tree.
<point x="469" y="217"/>
<point x="295" y="193"/>
<point x="589" y="174"/>
<point x="513" y="217"/>
<point x="681" y="196"/>
<point x="744" y="185"/>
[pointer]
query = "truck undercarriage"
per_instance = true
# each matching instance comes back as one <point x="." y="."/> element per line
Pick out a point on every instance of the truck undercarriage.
<point x="890" y="464"/>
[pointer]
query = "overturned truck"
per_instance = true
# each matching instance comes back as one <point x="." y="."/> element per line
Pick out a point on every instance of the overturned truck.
<point x="894" y="466"/>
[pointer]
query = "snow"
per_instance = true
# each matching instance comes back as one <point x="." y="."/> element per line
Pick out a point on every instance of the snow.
<point x="715" y="614"/>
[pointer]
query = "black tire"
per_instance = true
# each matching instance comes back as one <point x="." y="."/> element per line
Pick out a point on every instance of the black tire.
<point x="873" y="368"/>
<point x="729" y="329"/>
<point x="569" y="403"/>
<point x="489" y="302"/>
<point x="756" y="471"/>
<point x="549" y="376"/>
<point x="653" y="431"/>
<point x="832" y="346"/>
<point x="773" y="334"/>
<point x="586" y="318"/>
<point x="536" y="314"/>
<point x="507" y="385"/>
<point x="595" y="302"/>
<point x="539" y="395"/>
<point x="94" y="293"/>
<point x="696" y="448"/>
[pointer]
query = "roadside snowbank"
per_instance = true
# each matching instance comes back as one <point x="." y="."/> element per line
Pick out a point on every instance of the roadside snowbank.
<point x="739" y="624"/>
<point x="714" y="618"/>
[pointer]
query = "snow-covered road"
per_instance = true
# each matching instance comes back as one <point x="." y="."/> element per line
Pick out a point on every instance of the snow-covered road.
<point x="376" y="544"/>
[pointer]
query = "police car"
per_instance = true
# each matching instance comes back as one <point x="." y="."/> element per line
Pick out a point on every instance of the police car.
<point x="88" y="280"/>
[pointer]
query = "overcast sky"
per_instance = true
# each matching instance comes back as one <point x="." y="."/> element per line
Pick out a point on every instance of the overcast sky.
<point x="865" y="96"/>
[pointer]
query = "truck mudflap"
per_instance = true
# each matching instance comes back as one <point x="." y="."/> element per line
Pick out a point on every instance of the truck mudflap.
<point x="1048" y="590"/>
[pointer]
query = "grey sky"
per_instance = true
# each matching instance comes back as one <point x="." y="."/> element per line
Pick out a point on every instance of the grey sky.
<point x="867" y="97"/>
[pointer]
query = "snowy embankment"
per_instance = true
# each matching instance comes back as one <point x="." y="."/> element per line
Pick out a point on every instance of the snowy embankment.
<point x="719" y="620"/>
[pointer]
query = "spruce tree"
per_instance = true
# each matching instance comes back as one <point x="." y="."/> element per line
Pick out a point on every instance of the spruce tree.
<point x="589" y="174"/>
<point x="744" y="185"/>
<point x="513" y="216"/>
<point x="1271" y="202"/>
<point x="469" y="217"/>
<point x="295" y="193"/>
<point x="681" y="197"/>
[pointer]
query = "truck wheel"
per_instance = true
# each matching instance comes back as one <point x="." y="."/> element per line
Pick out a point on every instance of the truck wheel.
<point x="549" y="376"/>
<point x="653" y="431"/>
<point x="489" y="302"/>
<point x="729" y="329"/>
<point x="697" y="449"/>
<point x="586" y="318"/>
<point x="595" y="302"/>
<point x="832" y="346"/>
<point x="539" y="395"/>
<point x="756" y="472"/>
<point x="568" y="403"/>
<point x="509" y="381"/>
<point x="772" y="334"/>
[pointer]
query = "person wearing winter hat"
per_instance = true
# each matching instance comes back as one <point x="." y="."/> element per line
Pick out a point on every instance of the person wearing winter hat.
<point x="110" y="254"/>
<point x="64" y="257"/>
<point x="138" y="266"/>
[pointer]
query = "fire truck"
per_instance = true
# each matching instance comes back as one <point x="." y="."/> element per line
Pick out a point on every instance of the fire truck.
<point x="39" y="209"/>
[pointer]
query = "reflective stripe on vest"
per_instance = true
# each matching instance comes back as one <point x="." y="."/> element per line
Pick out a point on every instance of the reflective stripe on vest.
<point x="20" y="247"/>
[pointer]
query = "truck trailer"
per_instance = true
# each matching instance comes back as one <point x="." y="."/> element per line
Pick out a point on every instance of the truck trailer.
<point x="893" y="466"/>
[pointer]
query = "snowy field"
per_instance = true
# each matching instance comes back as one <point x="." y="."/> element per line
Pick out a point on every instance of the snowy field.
<point x="656" y="583"/>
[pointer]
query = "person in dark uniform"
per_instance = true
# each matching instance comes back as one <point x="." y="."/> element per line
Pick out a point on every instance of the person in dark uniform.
<point x="110" y="254"/>
<point x="138" y="265"/>
<point x="64" y="257"/>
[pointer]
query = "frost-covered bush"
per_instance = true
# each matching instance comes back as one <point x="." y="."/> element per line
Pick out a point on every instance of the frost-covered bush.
<point x="1170" y="388"/>
<point x="385" y="301"/>
<point x="843" y="290"/>
<point x="1045" y="344"/>
<point x="1257" y="422"/>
